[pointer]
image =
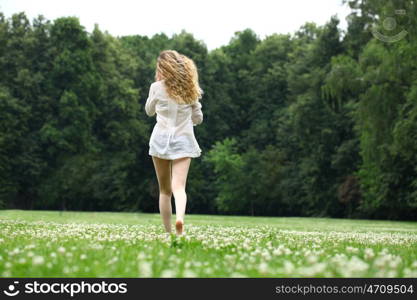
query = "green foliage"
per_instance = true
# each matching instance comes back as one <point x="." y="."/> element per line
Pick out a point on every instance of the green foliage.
<point x="316" y="123"/>
<point x="228" y="167"/>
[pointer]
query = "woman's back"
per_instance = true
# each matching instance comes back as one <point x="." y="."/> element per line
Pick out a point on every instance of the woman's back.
<point x="173" y="134"/>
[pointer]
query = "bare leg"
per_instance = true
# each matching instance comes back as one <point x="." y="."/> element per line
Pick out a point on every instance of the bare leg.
<point x="180" y="169"/>
<point x="163" y="173"/>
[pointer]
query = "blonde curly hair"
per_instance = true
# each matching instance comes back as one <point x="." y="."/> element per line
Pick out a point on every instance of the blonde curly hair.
<point x="180" y="75"/>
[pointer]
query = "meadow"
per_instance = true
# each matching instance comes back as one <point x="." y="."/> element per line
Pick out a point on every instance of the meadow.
<point x="106" y="244"/>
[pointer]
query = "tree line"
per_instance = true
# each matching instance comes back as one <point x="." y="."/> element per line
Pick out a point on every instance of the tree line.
<point x="320" y="122"/>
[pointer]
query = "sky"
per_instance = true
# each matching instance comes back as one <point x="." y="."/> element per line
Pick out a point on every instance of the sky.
<point x="212" y="21"/>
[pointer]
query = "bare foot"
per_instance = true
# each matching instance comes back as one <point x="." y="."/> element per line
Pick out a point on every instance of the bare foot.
<point x="179" y="226"/>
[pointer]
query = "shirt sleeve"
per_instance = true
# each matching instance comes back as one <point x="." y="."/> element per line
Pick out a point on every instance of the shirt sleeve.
<point x="197" y="114"/>
<point x="151" y="102"/>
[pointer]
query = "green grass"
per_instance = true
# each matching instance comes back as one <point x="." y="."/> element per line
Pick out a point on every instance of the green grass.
<point x="104" y="244"/>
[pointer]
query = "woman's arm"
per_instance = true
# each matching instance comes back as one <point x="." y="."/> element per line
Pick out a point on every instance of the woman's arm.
<point x="151" y="102"/>
<point x="197" y="114"/>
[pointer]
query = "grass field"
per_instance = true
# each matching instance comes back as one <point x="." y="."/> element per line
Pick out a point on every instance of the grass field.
<point x="102" y="244"/>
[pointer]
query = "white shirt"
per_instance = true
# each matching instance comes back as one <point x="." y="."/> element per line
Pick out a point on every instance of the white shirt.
<point x="173" y="134"/>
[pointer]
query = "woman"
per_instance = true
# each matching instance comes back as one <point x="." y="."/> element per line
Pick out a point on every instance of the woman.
<point x="174" y="97"/>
